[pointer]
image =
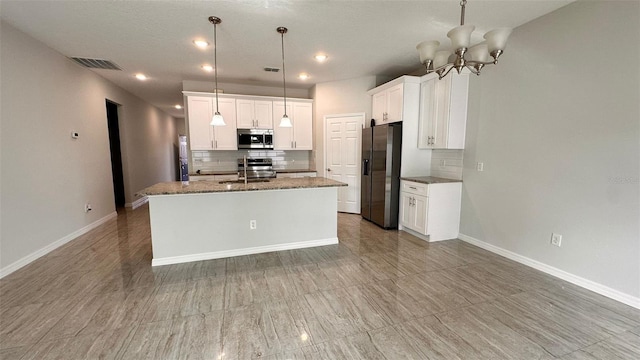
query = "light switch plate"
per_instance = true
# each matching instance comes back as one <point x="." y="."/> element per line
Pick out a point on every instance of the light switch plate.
<point x="480" y="166"/>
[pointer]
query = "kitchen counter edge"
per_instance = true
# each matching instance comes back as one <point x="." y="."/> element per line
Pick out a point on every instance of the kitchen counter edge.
<point x="429" y="179"/>
<point x="208" y="186"/>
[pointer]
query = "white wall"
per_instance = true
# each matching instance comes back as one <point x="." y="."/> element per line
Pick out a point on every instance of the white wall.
<point x="338" y="97"/>
<point x="556" y="124"/>
<point x="46" y="176"/>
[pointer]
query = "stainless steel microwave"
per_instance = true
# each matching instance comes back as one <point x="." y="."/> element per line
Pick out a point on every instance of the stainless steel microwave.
<point x="255" y="139"/>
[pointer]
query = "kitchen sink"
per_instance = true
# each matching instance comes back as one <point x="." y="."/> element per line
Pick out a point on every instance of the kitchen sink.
<point x="242" y="181"/>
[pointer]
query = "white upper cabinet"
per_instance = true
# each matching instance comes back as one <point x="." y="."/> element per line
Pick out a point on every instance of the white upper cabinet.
<point x="443" y="112"/>
<point x="203" y="136"/>
<point x="254" y="114"/>
<point x="298" y="137"/>
<point x="226" y="137"/>
<point x="200" y="112"/>
<point x="387" y="103"/>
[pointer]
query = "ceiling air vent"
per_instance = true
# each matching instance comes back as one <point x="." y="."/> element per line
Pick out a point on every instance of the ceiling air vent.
<point x="96" y="63"/>
<point x="271" y="69"/>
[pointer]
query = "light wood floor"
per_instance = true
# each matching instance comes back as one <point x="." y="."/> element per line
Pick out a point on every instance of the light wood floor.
<point x="377" y="295"/>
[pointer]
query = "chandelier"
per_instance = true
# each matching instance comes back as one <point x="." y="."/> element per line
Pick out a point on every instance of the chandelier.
<point x="474" y="58"/>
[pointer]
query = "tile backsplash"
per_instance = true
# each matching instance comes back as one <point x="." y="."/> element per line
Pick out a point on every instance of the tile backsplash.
<point x="228" y="160"/>
<point x="447" y="164"/>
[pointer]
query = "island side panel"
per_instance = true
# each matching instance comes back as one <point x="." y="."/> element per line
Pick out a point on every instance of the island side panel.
<point x="193" y="227"/>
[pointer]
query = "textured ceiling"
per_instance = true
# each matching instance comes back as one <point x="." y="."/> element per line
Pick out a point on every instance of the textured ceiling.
<point x="155" y="37"/>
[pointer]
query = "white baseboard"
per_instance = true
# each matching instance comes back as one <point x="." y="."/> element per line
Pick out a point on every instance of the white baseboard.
<point x="240" y="252"/>
<point x="553" y="271"/>
<point x="49" y="248"/>
<point x="426" y="238"/>
<point x="136" y="204"/>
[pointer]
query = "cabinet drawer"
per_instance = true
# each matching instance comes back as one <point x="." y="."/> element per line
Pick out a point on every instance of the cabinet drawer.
<point x="414" y="188"/>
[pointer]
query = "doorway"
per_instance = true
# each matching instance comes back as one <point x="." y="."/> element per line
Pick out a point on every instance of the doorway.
<point x="343" y="145"/>
<point x="116" y="154"/>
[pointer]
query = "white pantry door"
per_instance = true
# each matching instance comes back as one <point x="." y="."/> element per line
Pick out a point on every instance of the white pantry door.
<point x="343" y="144"/>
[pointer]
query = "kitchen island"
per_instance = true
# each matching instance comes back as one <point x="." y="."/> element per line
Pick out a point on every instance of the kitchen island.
<point x="215" y="219"/>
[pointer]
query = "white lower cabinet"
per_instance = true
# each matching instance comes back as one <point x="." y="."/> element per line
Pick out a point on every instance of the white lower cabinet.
<point x="431" y="210"/>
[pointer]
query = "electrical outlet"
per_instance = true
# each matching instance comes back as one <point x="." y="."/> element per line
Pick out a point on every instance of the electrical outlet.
<point x="556" y="239"/>
<point x="480" y="166"/>
<point x="87" y="207"/>
<point x="253" y="224"/>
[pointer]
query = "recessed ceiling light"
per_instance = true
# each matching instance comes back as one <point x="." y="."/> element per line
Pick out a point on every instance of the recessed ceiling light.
<point x="141" y="77"/>
<point x="321" y="57"/>
<point x="207" y="68"/>
<point x="178" y="107"/>
<point x="201" y="44"/>
<point x="303" y="76"/>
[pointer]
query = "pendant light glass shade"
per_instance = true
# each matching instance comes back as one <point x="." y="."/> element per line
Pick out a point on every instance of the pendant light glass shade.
<point x="441" y="58"/>
<point x="461" y="36"/>
<point x="427" y="50"/>
<point x="217" y="120"/>
<point x="285" y="122"/>
<point x="479" y="52"/>
<point x="497" y="39"/>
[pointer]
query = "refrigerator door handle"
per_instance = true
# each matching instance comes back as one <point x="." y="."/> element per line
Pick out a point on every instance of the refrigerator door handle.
<point x="365" y="167"/>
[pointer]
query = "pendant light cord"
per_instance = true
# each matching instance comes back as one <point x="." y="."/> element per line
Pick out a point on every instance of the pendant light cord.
<point x="284" y="81"/>
<point x="215" y="62"/>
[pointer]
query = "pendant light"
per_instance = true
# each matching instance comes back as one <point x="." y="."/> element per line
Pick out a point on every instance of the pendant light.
<point x="473" y="58"/>
<point x="217" y="119"/>
<point x="285" y="121"/>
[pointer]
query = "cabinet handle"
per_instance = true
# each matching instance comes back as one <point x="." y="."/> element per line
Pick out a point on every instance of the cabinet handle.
<point x="413" y="187"/>
<point x="295" y="144"/>
<point x="216" y="144"/>
<point x="212" y="145"/>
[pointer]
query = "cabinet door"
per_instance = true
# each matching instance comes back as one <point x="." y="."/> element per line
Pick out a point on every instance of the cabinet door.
<point x="245" y="114"/>
<point x="282" y="137"/>
<point x="199" y="111"/>
<point x="226" y="137"/>
<point x="263" y="114"/>
<point x="441" y="123"/>
<point x="394" y="103"/>
<point x="427" y="113"/>
<point x="420" y="214"/>
<point x="407" y="215"/>
<point x="379" y="107"/>
<point x="302" y="126"/>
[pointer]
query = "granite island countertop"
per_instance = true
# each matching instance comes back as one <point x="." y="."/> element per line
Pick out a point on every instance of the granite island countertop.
<point x="215" y="186"/>
<point x="429" y="179"/>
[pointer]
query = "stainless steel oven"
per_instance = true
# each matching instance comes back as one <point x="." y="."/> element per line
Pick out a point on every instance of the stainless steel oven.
<point x="255" y="139"/>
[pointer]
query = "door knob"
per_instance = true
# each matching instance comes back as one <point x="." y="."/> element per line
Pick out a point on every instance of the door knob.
<point x="328" y="169"/>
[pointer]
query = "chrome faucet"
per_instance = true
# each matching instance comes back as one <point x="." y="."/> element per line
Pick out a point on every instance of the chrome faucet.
<point x="244" y="166"/>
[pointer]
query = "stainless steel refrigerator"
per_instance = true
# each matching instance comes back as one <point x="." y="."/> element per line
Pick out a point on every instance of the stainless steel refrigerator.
<point x="381" y="149"/>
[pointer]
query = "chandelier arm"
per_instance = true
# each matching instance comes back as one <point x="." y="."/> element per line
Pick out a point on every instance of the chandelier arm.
<point x="472" y="69"/>
<point x="447" y="72"/>
<point x="474" y="62"/>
